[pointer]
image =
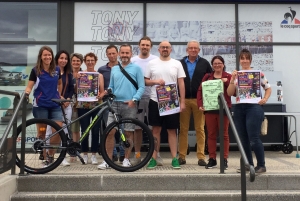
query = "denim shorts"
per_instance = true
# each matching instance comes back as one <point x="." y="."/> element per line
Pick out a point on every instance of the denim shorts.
<point x="54" y="114"/>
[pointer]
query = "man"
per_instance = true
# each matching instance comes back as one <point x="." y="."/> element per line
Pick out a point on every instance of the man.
<point x="161" y="71"/>
<point x="195" y="68"/>
<point x="112" y="55"/>
<point x="145" y="45"/>
<point x="126" y="98"/>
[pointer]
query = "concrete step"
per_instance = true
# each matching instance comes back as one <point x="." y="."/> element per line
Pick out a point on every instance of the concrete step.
<point x="154" y="182"/>
<point x="230" y="195"/>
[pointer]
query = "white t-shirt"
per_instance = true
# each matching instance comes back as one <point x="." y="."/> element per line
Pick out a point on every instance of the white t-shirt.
<point x="169" y="71"/>
<point x="143" y="64"/>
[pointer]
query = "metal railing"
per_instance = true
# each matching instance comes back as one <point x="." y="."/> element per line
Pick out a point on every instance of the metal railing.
<point x="5" y="150"/>
<point x="243" y="161"/>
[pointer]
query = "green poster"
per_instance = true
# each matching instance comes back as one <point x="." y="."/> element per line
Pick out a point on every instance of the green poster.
<point x="210" y="92"/>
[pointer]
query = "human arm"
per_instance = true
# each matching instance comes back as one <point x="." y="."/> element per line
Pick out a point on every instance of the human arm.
<point x="231" y="87"/>
<point x="101" y="91"/>
<point x="32" y="80"/>
<point x="181" y="87"/>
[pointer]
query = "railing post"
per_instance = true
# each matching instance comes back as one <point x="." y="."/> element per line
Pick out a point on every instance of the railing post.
<point x="221" y="133"/>
<point x="23" y="137"/>
<point x="243" y="180"/>
<point x="14" y="137"/>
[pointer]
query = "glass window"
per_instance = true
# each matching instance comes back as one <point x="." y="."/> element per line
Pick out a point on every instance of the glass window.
<point x="121" y="22"/>
<point x="193" y="22"/>
<point x="28" y="21"/>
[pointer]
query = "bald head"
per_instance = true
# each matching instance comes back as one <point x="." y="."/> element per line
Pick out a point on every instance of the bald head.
<point x="165" y="50"/>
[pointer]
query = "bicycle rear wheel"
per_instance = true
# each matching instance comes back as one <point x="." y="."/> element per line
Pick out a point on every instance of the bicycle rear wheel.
<point x="42" y="156"/>
<point x="108" y="142"/>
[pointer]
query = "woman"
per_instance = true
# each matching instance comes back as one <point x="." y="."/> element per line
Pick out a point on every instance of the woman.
<point x="62" y="59"/>
<point x="76" y="62"/>
<point x="46" y="79"/>
<point x="90" y="61"/>
<point x="248" y="117"/>
<point x="212" y="117"/>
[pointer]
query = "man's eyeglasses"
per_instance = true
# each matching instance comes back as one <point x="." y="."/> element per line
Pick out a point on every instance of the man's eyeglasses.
<point x="165" y="47"/>
<point x="193" y="48"/>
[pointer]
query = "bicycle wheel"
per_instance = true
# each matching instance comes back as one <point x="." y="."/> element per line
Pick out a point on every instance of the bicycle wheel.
<point x="42" y="156"/>
<point x="109" y="141"/>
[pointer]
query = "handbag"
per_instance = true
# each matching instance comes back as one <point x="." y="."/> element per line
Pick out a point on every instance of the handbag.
<point x="264" y="127"/>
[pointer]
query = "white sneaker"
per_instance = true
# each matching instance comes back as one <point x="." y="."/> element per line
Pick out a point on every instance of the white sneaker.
<point x="94" y="160"/>
<point x="126" y="163"/>
<point x="65" y="163"/>
<point x="103" y="166"/>
<point x="159" y="161"/>
<point x="85" y="159"/>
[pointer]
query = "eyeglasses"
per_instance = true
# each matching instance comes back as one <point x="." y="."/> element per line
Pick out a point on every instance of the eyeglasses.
<point x="165" y="47"/>
<point x="193" y="48"/>
<point x="215" y="64"/>
<point x="90" y="61"/>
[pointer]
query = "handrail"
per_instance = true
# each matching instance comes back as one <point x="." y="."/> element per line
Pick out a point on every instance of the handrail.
<point x="18" y="102"/>
<point x="243" y="161"/>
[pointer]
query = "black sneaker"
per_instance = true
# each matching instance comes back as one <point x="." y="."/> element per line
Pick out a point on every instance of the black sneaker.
<point x="181" y="161"/>
<point x="115" y="158"/>
<point x="259" y="170"/>
<point x="225" y="164"/>
<point x="212" y="163"/>
<point x="121" y="158"/>
<point x="201" y="162"/>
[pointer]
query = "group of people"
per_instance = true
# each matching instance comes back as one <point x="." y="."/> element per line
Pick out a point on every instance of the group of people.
<point x="57" y="79"/>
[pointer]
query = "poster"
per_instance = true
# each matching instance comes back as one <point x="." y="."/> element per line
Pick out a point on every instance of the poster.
<point x="210" y="93"/>
<point x="88" y="86"/>
<point x="168" y="100"/>
<point x="248" y="86"/>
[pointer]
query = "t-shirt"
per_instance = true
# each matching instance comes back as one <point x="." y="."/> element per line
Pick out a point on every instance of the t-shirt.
<point x="143" y="64"/>
<point x="169" y="71"/>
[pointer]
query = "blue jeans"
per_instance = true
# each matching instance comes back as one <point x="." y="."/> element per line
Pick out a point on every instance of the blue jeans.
<point x="84" y="123"/>
<point x="115" y="152"/>
<point x="248" y="119"/>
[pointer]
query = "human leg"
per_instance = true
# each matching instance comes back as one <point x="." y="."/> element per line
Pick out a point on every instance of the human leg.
<point x="211" y="121"/>
<point x="84" y="123"/>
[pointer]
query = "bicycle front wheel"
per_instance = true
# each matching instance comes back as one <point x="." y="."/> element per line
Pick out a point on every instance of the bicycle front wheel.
<point x="41" y="156"/>
<point x="137" y="137"/>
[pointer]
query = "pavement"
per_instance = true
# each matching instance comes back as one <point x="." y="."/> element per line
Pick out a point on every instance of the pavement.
<point x="276" y="163"/>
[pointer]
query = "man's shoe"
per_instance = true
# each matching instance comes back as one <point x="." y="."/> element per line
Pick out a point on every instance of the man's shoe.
<point x="103" y="166"/>
<point x="115" y="158"/>
<point x="65" y="163"/>
<point x="159" y="161"/>
<point x="175" y="163"/>
<point x="126" y="163"/>
<point x="85" y="159"/>
<point x="181" y="161"/>
<point x="152" y="164"/>
<point x="225" y="164"/>
<point x="212" y="163"/>
<point x="94" y="160"/>
<point x="259" y="170"/>
<point x="201" y="162"/>
<point x="239" y="170"/>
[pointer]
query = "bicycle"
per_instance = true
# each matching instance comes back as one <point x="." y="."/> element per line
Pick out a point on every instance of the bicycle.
<point x="37" y="154"/>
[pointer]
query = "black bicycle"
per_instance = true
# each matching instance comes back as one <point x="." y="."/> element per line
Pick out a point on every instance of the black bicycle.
<point x="44" y="154"/>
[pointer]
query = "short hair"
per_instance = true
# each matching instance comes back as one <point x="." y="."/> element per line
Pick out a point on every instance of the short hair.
<point x="220" y="58"/>
<point x="90" y="54"/>
<point x="125" y="45"/>
<point x="78" y="55"/>
<point x="193" y="41"/>
<point x="110" y="47"/>
<point x="246" y="53"/>
<point x="146" y="38"/>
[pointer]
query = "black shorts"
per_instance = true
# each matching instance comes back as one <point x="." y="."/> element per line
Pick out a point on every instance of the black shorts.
<point x="169" y="121"/>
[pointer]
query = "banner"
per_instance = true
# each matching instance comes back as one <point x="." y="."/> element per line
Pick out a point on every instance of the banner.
<point x="248" y="83"/>
<point x="210" y="92"/>
<point x="88" y="86"/>
<point x="168" y="101"/>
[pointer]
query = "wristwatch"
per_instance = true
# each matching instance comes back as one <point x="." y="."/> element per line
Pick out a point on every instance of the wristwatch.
<point x="135" y="101"/>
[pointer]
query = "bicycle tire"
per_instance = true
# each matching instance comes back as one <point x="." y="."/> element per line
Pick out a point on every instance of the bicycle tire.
<point x="147" y="147"/>
<point x="33" y="162"/>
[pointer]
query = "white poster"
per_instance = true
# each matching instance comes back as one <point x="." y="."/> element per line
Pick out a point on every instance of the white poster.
<point x="115" y="22"/>
<point x="269" y="23"/>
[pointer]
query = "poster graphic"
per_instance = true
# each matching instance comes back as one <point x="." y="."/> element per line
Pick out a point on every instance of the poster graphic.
<point x="248" y="83"/>
<point x="88" y="86"/>
<point x="210" y="92"/>
<point x="168" y="101"/>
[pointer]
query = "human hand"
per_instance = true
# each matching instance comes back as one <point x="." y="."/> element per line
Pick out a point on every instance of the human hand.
<point x="160" y="82"/>
<point x="201" y="109"/>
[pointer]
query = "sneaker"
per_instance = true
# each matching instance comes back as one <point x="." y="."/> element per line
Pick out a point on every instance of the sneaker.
<point x="159" y="161"/>
<point x="126" y="163"/>
<point x="239" y="170"/>
<point x="259" y="170"/>
<point x="94" y="160"/>
<point x="121" y="159"/>
<point x="201" y="162"/>
<point x="152" y="164"/>
<point x="103" y="166"/>
<point x="65" y="163"/>
<point x="212" y="163"/>
<point x="85" y="159"/>
<point x="115" y="158"/>
<point x="225" y="164"/>
<point x="175" y="163"/>
<point x="181" y="161"/>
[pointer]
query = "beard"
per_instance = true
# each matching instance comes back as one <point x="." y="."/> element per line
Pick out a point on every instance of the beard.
<point x="165" y="54"/>
<point x="125" y="59"/>
<point x="145" y="52"/>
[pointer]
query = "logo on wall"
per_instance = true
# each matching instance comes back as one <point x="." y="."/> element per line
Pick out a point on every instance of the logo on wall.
<point x="290" y="21"/>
